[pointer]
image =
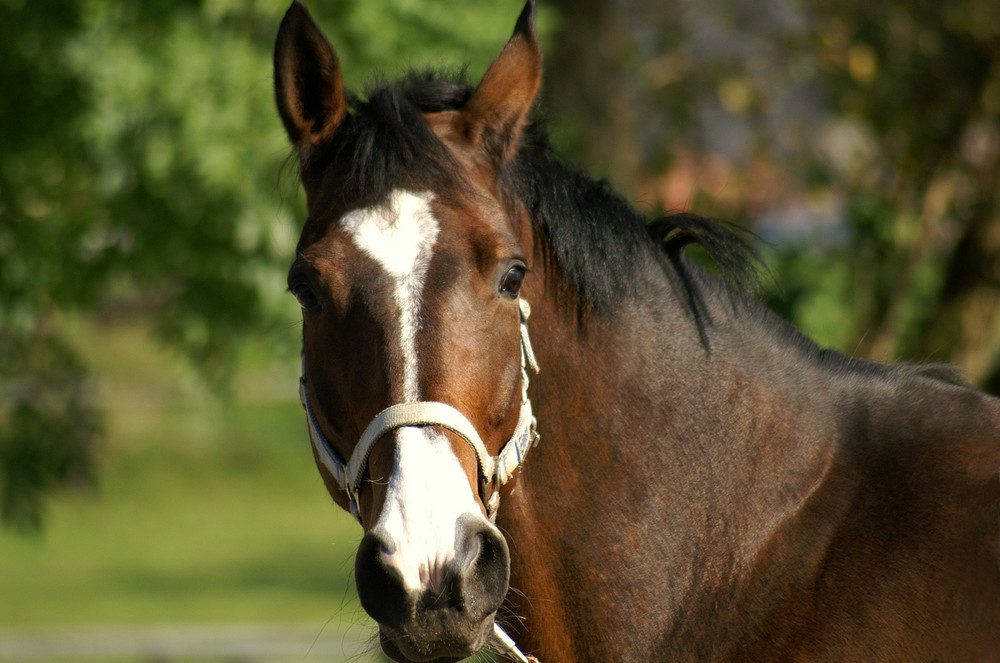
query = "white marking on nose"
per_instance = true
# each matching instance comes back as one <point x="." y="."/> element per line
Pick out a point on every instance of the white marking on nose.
<point x="428" y="490"/>
<point x="428" y="493"/>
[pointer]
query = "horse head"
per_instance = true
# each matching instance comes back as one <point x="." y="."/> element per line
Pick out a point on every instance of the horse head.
<point x="409" y="273"/>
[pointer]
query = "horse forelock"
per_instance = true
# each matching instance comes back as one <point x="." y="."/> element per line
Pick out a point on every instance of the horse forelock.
<point x="385" y="144"/>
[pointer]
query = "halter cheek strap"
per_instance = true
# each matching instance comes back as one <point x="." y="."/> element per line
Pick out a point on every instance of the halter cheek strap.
<point x="493" y="470"/>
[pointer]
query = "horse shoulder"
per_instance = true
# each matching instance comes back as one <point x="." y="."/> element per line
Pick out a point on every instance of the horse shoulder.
<point x="912" y="569"/>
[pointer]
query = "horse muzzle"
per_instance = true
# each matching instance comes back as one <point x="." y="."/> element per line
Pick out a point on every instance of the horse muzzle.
<point x="450" y="618"/>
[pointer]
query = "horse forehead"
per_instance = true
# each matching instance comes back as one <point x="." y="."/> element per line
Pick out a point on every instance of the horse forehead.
<point x="398" y="234"/>
<point x="404" y="232"/>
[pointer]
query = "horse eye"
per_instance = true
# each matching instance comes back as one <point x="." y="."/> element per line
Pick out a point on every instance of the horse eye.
<point x="304" y="294"/>
<point x="512" y="280"/>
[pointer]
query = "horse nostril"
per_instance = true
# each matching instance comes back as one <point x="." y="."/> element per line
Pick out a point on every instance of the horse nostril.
<point x="483" y="563"/>
<point x="469" y="587"/>
<point x="380" y="587"/>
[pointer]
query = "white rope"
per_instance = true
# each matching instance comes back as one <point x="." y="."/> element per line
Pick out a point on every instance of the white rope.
<point x="504" y="644"/>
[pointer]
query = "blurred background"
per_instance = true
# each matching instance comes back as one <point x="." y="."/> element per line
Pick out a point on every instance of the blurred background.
<point x="157" y="495"/>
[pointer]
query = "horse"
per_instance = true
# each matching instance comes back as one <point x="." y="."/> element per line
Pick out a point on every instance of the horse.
<point x="567" y="440"/>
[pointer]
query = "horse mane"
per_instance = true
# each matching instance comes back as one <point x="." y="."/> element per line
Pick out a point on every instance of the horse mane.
<point x="599" y="240"/>
<point x="596" y="239"/>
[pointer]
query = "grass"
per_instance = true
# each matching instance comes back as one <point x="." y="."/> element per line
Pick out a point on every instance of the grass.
<point x="208" y="511"/>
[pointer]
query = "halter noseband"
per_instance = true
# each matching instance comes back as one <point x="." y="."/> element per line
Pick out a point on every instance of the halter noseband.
<point x="496" y="470"/>
<point x="492" y="469"/>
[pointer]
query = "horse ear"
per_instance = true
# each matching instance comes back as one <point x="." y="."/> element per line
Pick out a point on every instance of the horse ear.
<point x="495" y="114"/>
<point x="308" y="86"/>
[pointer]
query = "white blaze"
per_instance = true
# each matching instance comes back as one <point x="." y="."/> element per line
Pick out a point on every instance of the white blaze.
<point x="400" y="236"/>
<point x="428" y="490"/>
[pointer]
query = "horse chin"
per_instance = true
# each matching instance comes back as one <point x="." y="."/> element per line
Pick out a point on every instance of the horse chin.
<point x="406" y="647"/>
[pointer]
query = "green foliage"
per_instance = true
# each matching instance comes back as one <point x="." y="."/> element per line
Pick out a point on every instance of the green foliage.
<point x="48" y="426"/>
<point x="862" y="137"/>
<point x="144" y="171"/>
<point x="815" y="290"/>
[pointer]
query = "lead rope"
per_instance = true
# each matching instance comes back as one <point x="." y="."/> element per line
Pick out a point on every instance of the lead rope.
<point x="505" y="646"/>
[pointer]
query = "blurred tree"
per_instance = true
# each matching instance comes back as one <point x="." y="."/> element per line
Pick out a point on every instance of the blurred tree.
<point x="140" y="174"/>
<point x="863" y="138"/>
<point x="47" y="425"/>
<point x="141" y="159"/>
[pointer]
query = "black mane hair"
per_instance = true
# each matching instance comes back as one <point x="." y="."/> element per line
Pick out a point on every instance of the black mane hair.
<point x="598" y="240"/>
<point x="594" y="236"/>
<point x="384" y="142"/>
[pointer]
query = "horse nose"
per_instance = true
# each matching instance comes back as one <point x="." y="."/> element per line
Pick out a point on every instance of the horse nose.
<point x="380" y="585"/>
<point x="482" y="566"/>
<point x="471" y="584"/>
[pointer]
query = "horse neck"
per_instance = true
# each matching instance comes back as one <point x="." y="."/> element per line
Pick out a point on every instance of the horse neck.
<point x="673" y="364"/>
<point x="651" y="441"/>
<point x="685" y="466"/>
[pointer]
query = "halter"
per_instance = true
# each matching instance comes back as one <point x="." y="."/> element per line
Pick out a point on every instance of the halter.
<point x="496" y="470"/>
<point x="493" y="470"/>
